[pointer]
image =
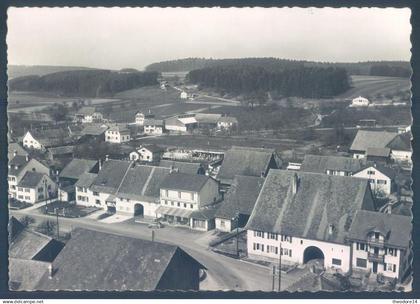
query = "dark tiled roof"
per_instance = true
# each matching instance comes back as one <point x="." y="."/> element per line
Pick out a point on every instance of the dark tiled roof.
<point x="61" y="150"/>
<point x="142" y="183"/>
<point x="320" y="164"/>
<point x="17" y="164"/>
<point x="94" y="260"/>
<point x="153" y="122"/>
<point x="203" y="118"/>
<point x="86" y="110"/>
<point x="207" y="213"/>
<point x="31" y="179"/>
<point x="110" y="176"/>
<point x="27" y="244"/>
<point x="244" y="161"/>
<point x="402" y="142"/>
<point x="182" y="167"/>
<point x="396" y="228"/>
<point x="94" y="129"/>
<point x="174" y="121"/>
<point x="241" y="197"/>
<point x="14" y="227"/>
<point x="321" y="200"/>
<point x="381" y="168"/>
<point x="52" y="137"/>
<point x="25" y="274"/>
<point x="15" y="147"/>
<point x="77" y="167"/>
<point x="183" y="181"/>
<point x="371" y="139"/>
<point x="381" y="152"/>
<point x="86" y="180"/>
<point x="153" y="148"/>
<point x="228" y="119"/>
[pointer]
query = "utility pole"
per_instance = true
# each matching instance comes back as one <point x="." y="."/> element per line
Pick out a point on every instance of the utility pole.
<point x="153" y="235"/>
<point x="280" y="254"/>
<point x="45" y="195"/>
<point x="58" y="227"/>
<point x="274" y="277"/>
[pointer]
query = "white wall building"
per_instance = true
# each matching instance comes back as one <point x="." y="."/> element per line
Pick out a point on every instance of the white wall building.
<point x="35" y="187"/>
<point x="360" y="102"/>
<point x="153" y="126"/>
<point x="117" y="134"/>
<point x="29" y="141"/>
<point x="380" y="178"/>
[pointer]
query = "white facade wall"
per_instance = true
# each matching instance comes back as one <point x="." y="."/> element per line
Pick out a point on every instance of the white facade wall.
<point x="127" y="206"/>
<point x="378" y="180"/>
<point x="224" y="224"/>
<point x="358" y="155"/>
<point x="30" y="142"/>
<point x="175" y="128"/>
<point x="146" y="155"/>
<point x="139" y="119"/>
<point x="156" y="130"/>
<point x="360" y="102"/>
<point x="297" y="246"/>
<point x="134" y="156"/>
<point x="399" y="155"/>
<point x="185" y="199"/>
<point x="35" y="194"/>
<point x="116" y="137"/>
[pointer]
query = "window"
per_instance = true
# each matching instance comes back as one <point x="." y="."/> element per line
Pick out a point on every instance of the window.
<point x="392" y="251"/>
<point x="95" y="193"/>
<point x="336" y="262"/>
<point x="97" y="202"/>
<point x="258" y="246"/>
<point x="381" y="182"/>
<point x="40" y="189"/>
<point x="192" y="206"/>
<point x="80" y="189"/>
<point x="272" y="249"/>
<point x="49" y="187"/>
<point x="285" y="238"/>
<point x="172" y="203"/>
<point x="361" y="246"/>
<point x="178" y="204"/>
<point x="361" y="263"/>
<point x="20" y="189"/>
<point x="273" y="236"/>
<point x="259" y="234"/>
<point x="390" y="267"/>
<point x="370" y="172"/>
<point x="179" y="194"/>
<point x="185" y="205"/>
<point x="222" y="223"/>
<point x="20" y="196"/>
<point x="27" y="190"/>
<point x="27" y="197"/>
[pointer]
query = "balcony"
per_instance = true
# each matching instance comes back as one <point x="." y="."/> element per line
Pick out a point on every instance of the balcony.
<point x="376" y="242"/>
<point x="374" y="257"/>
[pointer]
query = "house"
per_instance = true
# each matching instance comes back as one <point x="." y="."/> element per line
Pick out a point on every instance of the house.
<point x="153" y="126"/>
<point x="24" y="275"/>
<point x="59" y="153"/>
<point x="76" y="168"/>
<point x="331" y="165"/>
<point x="103" y="261"/>
<point x="380" y="243"/>
<point x="247" y="161"/>
<point x="18" y="166"/>
<point x="207" y="120"/>
<point x="360" y="102"/>
<point x="183" y="95"/>
<point x="399" y="144"/>
<point x="141" y="117"/>
<point x="148" y="153"/>
<point x="182" y="167"/>
<point x="43" y="139"/>
<point x="14" y="149"/>
<point x="181" y="194"/>
<point x="238" y="203"/>
<point x="88" y="115"/>
<point x="138" y="194"/>
<point x="117" y="134"/>
<point x="305" y="216"/>
<point x="378" y="155"/>
<point x="381" y="178"/>
<point x="35" y="187"/>
<point x="227" y="123"/>
<point x="181" y="124"/>
<point x="95" y="130"/>
<point x="103" y="186"/>
<point x="26" y="244"/>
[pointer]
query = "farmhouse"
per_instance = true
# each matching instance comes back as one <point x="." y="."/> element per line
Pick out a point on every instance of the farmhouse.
<point x="35" y="187"/>
<point x="14" y="149"/>
<point x="181" y="124"/>
<point x="182" y="167"/>
<point x="83" y="193"/>
<point x="331" y="165"/>
<point x="360" y="102"/>
<point x="18" y="166"/>
<point x="138" y="194"/>
<point x="117" y="134"/>
<point x="381" y="178"/>
<point x="76" y="168"/>
<point x="247" y="161"/>
<point x="153" y="126"/>
<point x="60" y="153"/>
<point x="90" y="256"/>
<point x="141" y="117"/>
<point x="94" y="130"/>
<point x="380" y="243"/>
<point x="41" y="140"/>
<point x="227" y="123"/>
<point x="148" y="153"/>
<point x="399" y="144"/>
<point x="305" y="216"/>
<point x="183" y="95"/>
<point x="238" y="203"/>
<point x="88" y="115"/>
<point x="207" y="120"/>
<point x="182" y="194"/>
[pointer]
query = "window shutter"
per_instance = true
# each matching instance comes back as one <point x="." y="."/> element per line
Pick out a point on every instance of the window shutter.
<point x="262" y="247"/>
<point x="357" y="246"/>
<point x="290" y="252"/>
<point x="394" y="268"/>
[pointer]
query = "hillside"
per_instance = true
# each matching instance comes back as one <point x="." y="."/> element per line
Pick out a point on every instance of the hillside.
<point x="84" y="83"/>
<point x="14" y="71"/>
<point x="377" y="68"/>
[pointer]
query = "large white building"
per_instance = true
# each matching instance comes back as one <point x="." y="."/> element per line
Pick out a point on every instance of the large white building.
<point x="381" y="178"/>
<point x="360" y="102"/>
<point x="35" y="187"/>
<point x="117" y="134"/>
<point x="147" y="153"/>
<point x="306" y="216"/>
<point x="88" y="115"/>
<point x="153" y="126"/>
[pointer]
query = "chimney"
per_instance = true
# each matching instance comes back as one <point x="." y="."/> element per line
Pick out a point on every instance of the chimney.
<point x="100" y="164"/>
<point x="330" y="229"/>
<point x="50" y="271"/>
<point x="27" y="157"/>
<point x="14" y="153"/>
<point x="106" y="157"/>
<point x="262" y="174"/>
<point x="295" y="183"/>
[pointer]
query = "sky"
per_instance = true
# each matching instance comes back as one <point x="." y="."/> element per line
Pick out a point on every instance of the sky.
<point x="115" y="38"/>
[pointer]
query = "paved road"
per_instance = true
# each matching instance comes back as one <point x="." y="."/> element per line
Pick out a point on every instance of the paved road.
<point x="224" y="273"/>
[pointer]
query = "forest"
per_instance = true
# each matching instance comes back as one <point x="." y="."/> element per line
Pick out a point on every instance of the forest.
<point x="84" y="83"/>
<point x="309" y="82"/>
<point x="389" y="70"/>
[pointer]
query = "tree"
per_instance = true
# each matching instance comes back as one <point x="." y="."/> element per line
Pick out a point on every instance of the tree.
<point x="27" y="220"/>
<point x="59" y="112"/>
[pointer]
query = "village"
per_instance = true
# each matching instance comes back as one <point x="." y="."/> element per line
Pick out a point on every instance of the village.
<point x="337" y="220"/>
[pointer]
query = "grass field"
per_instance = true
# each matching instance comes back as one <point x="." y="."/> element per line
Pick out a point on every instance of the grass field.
<point x="371" y="86"/>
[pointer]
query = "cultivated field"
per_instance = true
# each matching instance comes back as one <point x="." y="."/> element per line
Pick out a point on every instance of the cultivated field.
<point x="371" y="86"/>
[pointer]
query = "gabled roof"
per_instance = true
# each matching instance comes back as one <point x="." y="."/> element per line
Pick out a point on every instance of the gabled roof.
<point x="52" y="137"/>
<point x="142" y="183"/>
<point x="174" y="121"/>
<point x="153" y="122"/>
<point x="371" y="139"/>
<point x="24" y="274"/>
<point x="15" y="147"/>
<point x="17" y="164"/>
<point x="153" y="148"/>
<point x="378" y="152"/>
<point x="86" y="111"/>
<point x="320" y="164"/>
<point x="76" y="167"/>
<point x="381" y="168"/>
<point x="14" y="227"/>
<point x="182" y="167"/>
<point x="396" y="228"/>
<point x="228" y="119"/>
<point x="241" y="196"/>
<point x="93" y="260"/>
<point x="207" y="118"/>
<point x="27" y="244"/>
<point x="31" y="179"/>
<point x="85" y="180"/>
<point x="61" y="150"/>
<point x="110" y="176"/>
<point x="94" y="129"/>
<point x="183" y="181"/>
<point x="245" y="161"/>
<point x="122" y="128"/>
<point x="401" y="142"/>
<point x="320" y="200"/>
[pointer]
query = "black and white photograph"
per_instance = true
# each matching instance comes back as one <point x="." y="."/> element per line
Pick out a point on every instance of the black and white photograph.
<point x="209" y="149"/>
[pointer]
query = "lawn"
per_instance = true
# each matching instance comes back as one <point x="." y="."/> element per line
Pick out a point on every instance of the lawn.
<point x="14" y="204"/>
<point x="65" y="209"/>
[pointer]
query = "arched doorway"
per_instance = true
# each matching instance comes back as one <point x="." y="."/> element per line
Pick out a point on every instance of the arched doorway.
<point x="312" y="253"/>
<point x="138" y="210"/>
